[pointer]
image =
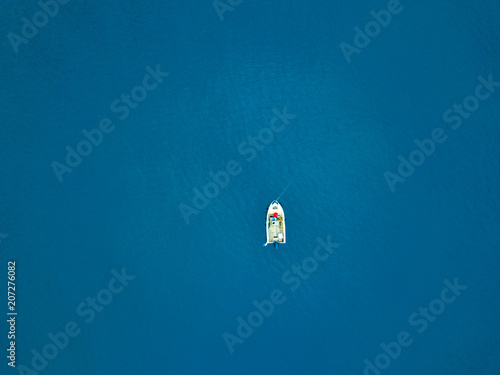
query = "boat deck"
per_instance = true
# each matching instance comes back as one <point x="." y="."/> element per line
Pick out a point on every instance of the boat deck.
<point x="275" y="229"/>
<point x="275" y="223"/>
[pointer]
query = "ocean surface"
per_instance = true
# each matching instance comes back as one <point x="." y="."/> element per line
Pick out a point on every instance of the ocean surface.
<point x="186" y="282"/>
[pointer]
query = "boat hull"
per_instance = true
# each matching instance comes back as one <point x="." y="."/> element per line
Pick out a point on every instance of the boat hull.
<point x="275" y="224"/>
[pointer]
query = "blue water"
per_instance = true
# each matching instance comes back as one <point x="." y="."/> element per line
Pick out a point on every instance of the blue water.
<point x="120" y="206"/>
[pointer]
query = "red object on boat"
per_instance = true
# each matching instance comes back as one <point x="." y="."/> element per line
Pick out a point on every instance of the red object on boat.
<point x="275" y="214"/>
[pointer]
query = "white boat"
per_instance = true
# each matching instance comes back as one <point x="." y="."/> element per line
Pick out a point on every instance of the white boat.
<point x="275" y="224"/>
